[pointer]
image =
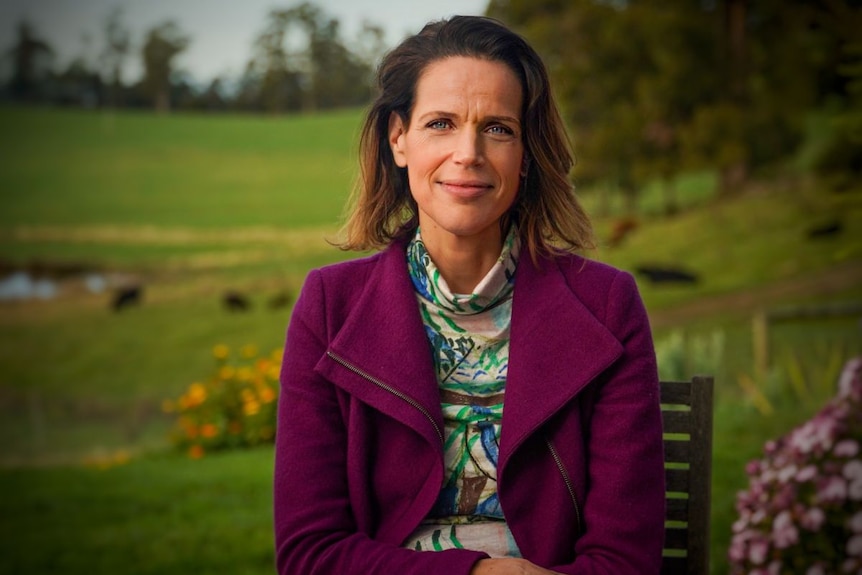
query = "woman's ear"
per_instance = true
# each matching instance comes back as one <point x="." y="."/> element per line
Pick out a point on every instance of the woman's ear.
<point x="397" y="132"/>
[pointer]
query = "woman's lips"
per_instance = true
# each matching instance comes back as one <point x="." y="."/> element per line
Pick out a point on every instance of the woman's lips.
<point x="466" y="188"/>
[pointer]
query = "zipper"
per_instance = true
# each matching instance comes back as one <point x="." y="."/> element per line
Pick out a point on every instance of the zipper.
<point x="566" y="479"/>
<point x="390" y="389"/>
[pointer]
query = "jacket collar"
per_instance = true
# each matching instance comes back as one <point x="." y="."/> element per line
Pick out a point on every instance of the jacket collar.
<point x="397" y="355"/>
<point x="557" y="348"/>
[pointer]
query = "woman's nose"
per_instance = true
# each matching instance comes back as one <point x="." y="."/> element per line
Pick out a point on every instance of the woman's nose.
<point x="468" y="148"/>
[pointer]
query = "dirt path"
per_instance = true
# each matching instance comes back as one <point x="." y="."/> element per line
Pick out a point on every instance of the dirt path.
<point x="839" y="279"/>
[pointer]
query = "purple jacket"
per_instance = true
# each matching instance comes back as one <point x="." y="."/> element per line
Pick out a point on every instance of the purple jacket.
<point x="359" y="456"/>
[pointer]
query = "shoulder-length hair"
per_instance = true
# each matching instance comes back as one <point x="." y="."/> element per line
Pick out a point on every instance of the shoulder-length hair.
<point x="546" y="211"/>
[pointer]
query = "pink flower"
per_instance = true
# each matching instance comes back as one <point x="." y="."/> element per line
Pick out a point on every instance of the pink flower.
<point x="812" y="519"/>
<point x="736" y="551"/>
<point x="757" y="551"/>
<point x="785" y="474"/>
<point x="784" y="532"/>
<point x="807" y="489"/>
<point x="832" y="490"/>
<point x="758" y="516"/>
<point x="853" y="472"/>
<point x="846" y="448"/>
<point x="807" y="473"/>
<point x="753" y="467"/>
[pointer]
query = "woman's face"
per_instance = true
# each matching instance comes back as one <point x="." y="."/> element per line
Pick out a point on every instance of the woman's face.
<point x="462" y="149"/>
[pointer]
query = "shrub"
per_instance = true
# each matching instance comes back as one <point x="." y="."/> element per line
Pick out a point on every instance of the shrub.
<point x="802" y="511"/>
<point x="235" y="407"/>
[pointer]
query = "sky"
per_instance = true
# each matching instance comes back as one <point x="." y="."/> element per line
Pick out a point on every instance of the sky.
<point x="221" y="31"/>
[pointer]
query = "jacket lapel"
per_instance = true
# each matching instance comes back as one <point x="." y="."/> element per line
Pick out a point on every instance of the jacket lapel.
<point x="397" y="372"/>
<point x="557" y="347"/>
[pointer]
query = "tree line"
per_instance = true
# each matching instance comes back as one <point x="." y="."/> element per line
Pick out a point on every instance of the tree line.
<point x="299" y="62"/>
<point x="654" y="87"/>
<point x="648" y="88"/>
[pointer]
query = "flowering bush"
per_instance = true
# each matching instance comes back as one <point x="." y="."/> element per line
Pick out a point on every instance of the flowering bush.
<point x="235" y="407"/>
<point x="802" y="512"/>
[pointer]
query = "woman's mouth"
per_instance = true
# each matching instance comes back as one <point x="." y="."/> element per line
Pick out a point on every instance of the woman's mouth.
<point x="466" y="188"/>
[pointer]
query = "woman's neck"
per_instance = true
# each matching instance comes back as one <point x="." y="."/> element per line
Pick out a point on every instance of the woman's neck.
<point x="463" y="262"/>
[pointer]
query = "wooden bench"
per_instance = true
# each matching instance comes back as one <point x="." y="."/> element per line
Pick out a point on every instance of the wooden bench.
<point x="687" y="420"/>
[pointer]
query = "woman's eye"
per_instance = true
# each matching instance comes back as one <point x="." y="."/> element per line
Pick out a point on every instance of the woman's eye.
<point x="500" y="129"/>
<point x="438" y="124"/>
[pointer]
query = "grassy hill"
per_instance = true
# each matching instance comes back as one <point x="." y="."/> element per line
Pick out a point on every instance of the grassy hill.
<point x="192" y="206"/>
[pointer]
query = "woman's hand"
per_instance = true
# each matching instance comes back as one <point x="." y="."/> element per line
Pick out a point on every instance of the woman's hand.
<point x="508" y="566"/>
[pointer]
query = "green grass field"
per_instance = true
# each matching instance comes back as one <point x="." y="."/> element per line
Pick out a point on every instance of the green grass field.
<point x="194" y="205"/>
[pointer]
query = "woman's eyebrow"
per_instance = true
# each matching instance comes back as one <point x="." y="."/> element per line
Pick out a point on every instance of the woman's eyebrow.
<point x="515" y="121"/>
<point x="486" y="119"/>
<point x="437" y="114"/>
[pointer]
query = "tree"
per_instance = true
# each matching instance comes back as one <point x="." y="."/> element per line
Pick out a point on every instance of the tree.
<point x="269" y="77"/>
<point x="32" y="58"/>
<point x="163" y="43"/>
<point x="596" y="54"/>
<point x="653" y="87"/>
<point x="370" y="46"/>
<point x="78" y="85"/>
<point x="300" y="62"/>
<point x="117" y="48"/>
<point x="338" y="77"/>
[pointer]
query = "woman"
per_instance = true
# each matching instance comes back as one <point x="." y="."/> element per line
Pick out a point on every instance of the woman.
<point x="475" y="398"/>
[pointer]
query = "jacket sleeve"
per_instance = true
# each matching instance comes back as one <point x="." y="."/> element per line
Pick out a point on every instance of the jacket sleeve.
<point x="315" y="529"/>
<point x="624" y="509"/>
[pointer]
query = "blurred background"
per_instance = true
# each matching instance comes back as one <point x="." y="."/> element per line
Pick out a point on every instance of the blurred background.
<point x="170" y="171"/>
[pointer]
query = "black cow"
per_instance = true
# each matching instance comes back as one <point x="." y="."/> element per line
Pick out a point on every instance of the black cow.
<point x="127" y="297"/>
<point x="235" y="301"/>
<point x="661" y="275"/>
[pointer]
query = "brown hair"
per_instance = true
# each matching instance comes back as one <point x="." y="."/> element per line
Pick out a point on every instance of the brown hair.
<point x="546" y="210"/>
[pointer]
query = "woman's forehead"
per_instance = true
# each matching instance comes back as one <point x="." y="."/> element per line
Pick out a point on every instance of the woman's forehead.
<point x="458" y="81"/>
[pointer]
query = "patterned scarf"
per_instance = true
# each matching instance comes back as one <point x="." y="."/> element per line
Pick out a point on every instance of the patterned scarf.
<point x="469" y="337"/>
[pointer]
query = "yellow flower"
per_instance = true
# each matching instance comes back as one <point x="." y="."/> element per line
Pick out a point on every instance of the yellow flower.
<point x="221" y="351"/>
<point x="251" y="408"/>
<point x="209" y="430"/>
<point x="196" y="451"/>
<point x="227" y="372"/>
<point x="248" y="351"/>
<point x="267" y="395"/>
<point x="197" y="393"/>
<point x="245" y="374"/>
